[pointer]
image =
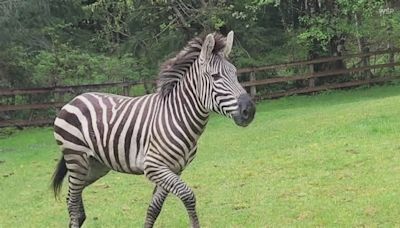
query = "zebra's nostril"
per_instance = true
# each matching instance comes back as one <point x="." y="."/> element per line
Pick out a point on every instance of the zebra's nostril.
<point x="245" y="113"/>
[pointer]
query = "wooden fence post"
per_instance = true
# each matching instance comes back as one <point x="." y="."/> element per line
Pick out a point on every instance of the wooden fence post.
<point x="391" y="56"/>
<point x="126" y="87"/>
<point x="365" y="62"/>
<point x="311" y="81"/>
<point x="59" y="99"/>
<point x="253" y="90"/>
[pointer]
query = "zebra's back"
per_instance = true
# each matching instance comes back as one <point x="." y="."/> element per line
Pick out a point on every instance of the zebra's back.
<point x="113" y="129"/>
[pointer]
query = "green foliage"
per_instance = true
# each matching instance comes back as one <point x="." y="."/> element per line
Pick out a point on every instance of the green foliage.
<point x="319" y="33"/>
<point x="354" y="20"/>
<point x="66" y="66"/>
<point x="72" y="67"/>
<point x="47" y="42"/>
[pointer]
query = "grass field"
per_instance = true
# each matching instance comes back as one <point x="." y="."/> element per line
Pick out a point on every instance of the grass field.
<point x="328" y="160"/>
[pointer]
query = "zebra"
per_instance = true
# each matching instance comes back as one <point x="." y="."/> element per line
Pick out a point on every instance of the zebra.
<point x="154" y="135"/>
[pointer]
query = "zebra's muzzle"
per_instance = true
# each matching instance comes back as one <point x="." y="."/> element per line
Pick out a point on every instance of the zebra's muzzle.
<point x="246" y="111"/>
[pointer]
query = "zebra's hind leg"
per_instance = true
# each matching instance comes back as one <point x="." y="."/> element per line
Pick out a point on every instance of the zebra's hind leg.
<point x="171" y="182"/>
<point x="157" y="201"/>
<point x="96" y="171"/>
<point x="83" y="171"/>
<point x="78" y="168"/>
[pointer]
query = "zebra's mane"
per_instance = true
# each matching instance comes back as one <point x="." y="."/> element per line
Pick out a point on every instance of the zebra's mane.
<point x="173" y="70"/>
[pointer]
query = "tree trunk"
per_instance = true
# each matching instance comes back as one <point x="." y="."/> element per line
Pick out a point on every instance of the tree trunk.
<point x="362" y="48"/>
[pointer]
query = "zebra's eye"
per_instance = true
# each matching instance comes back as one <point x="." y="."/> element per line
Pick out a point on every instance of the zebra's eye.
<point x="216" y="76"/>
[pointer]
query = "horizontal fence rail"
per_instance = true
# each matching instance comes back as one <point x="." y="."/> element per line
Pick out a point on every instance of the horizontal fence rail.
<point x="327" y="87"/>
<point x="22" y="91"/>
<point x="257" y="80"/>
<point x="316" y="75"/>
<point x="315" y="61"/>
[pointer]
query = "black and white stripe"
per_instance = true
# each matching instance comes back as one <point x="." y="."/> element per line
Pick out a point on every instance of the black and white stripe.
<point x="155" y="134"/>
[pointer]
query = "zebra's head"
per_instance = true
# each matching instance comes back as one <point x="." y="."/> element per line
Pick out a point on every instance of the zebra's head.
<point x="219" y="87"/>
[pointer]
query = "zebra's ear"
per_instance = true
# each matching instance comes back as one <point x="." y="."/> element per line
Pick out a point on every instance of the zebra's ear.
<point x="207" y="48"/>
<point x="229" y="43"/>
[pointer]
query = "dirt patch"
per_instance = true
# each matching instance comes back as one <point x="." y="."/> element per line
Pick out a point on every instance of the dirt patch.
<point x="8" y="174"/>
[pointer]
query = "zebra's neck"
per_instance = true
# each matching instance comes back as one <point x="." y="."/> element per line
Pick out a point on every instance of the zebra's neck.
<point x="185" y="111"/>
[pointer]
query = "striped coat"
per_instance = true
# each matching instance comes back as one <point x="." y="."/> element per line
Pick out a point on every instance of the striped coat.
<point x="155" y="135"/>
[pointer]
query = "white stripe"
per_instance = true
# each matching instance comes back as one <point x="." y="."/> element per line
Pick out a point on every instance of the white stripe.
<point x="113" y="109"/>
<point x="133" y="145"/>
<point x="148" y="122"/>
<point x="69" y="145"/>
<point x="61" y="123"/>
<point x="93" y="116"/>
<point x="122" y="138"/>
<point x="111" y="141"/>
<point x="82" y="119"/>
<point x="105" y="122"/>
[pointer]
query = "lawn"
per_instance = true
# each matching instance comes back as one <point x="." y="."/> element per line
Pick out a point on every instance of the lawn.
<point x="326" y="160"/>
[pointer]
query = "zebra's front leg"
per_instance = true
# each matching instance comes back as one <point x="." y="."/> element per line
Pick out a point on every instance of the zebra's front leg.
<point x="171" y="182"/>
<point x="157" y="201"/>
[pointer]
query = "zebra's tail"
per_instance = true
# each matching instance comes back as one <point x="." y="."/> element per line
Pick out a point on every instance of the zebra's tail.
<point x="58" y="177"/>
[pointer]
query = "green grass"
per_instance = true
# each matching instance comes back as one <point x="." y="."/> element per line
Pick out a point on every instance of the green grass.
<point x="328" y="160"/>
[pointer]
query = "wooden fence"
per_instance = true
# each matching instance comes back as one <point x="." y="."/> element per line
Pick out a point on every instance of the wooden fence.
<point x="362" y="64"/>
<point x="271" y="81"/>
<point x="58" y="95"/>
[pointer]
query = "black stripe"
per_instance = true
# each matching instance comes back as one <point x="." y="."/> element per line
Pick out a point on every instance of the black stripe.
<point x="69" y="137"/>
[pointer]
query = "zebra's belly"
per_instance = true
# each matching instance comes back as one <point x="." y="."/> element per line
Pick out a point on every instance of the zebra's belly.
<point x="120" y="160"/>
